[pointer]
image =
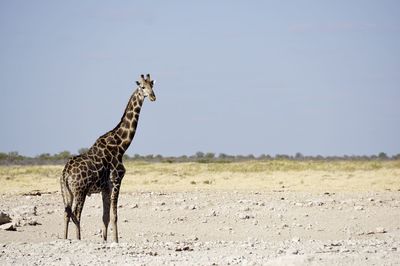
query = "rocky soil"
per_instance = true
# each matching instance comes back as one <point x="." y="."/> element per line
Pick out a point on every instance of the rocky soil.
<point x="208" y="228"/>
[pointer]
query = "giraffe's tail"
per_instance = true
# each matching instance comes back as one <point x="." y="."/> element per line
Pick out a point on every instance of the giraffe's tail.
<point x="66" y="193"/>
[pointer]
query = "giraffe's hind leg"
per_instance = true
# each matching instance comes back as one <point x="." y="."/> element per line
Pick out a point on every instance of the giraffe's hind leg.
<point x="76" y="214"/>
<point x="67" y="216"/>
<point x="68" y="199"/>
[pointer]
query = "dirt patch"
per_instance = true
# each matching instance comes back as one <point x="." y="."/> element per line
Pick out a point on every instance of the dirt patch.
<point x="205" y="227"/>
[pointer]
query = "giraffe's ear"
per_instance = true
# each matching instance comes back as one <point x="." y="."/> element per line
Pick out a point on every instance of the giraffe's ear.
<point x="138" y="83"/>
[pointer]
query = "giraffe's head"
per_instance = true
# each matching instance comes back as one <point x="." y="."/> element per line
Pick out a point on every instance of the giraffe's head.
<point x="146" y="85"/>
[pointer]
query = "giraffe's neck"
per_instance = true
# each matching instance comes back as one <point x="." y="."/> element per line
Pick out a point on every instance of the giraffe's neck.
<point x="115" y="142"/>
<point x="124" y="132"/>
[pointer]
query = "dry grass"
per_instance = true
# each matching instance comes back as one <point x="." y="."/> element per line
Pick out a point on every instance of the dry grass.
<point x="254" y="175"/>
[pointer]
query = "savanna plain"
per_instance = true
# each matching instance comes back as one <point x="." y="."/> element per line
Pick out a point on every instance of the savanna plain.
<point x="272" y="212"/>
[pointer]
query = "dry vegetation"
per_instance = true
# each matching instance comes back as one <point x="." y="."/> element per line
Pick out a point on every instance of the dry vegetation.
<point x="372" y="175"/>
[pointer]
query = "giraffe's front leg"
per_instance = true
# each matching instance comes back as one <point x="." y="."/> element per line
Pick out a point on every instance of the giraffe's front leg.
<point x="106" y="195"/>
<point x="116" y="178"/>
<point x="114" y="205"/>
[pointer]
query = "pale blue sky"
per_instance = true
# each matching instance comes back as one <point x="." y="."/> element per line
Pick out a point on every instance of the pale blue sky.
<point x="238" y="77"/>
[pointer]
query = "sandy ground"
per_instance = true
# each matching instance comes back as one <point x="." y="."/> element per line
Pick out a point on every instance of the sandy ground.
<point x="211" y="227"/>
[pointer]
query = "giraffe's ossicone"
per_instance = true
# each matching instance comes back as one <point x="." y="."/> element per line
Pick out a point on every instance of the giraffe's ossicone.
<point x="100" y="169"/>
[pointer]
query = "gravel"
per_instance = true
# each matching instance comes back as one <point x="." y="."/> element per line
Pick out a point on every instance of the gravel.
<point x="209" y="227"/>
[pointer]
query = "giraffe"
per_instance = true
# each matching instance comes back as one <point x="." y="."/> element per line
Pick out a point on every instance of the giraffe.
<point x="100" y="169"/>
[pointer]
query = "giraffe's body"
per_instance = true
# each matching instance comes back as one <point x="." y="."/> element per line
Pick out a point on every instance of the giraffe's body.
<point x="100" y="169"/>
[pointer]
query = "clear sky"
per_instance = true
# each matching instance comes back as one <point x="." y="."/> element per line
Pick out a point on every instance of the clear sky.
<point x="236" y="77"/>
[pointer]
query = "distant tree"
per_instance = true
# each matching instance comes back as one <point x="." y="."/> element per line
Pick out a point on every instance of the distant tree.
<point x="299" y="156"/>
<point x="222" y="156"/>
<point x="209" y="155"/>
<point x="240" y="158"/>
<point x="250" y="157"/>
<point x="396" y="157"/>
<point x="44" y="156"/>
<point x="14" y="156"/>
<point x="82" y="150"/>
<point x="158" y="157"/>
<point x="183" y="158"/>
<point x="199" y="154"/>
<point x="282" y="157"/>
<point x="264" y="157"/>
<point x="3" y="156"/>
<point x="149" y="157"/>
<point x="382" y="156"/>
<point x="373" y="157"/>
<point x="62" y="155"/>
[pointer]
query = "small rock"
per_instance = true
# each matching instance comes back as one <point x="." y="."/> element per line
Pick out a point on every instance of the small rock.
<point x="8" y="227"/>
<point x="212" y="213"/>
<point x="98" y="232"/>
<point x="358" y="208"/>
<point x="191" y="207"/>
<point x="293" y="251"/>
<point x="315" y="203"/>
<point x="380" y="230"/>
<point x="4" y="218"/>
<point x="245" y="216"/>
<point x="134" y="206"/>
<point x="296" y="239"/>
<point x="179" y="201"/>
<point x="184" y="248"/>
<point x="33" y="222"/>
<point x="284" y="226"/>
